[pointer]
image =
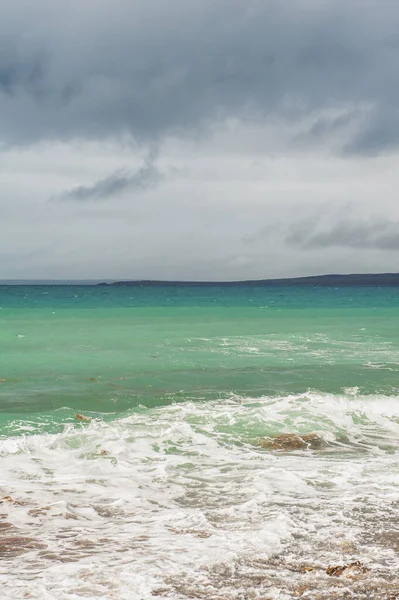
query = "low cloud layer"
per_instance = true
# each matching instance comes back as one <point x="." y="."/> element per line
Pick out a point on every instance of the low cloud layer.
<point x="317" y="233"/>
<point x="377" y="233"/>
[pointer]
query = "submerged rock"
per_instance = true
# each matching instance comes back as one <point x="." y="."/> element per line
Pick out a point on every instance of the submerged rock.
<point x="292" y="441"/>
<point x="82" y="418"/>
<point x="307" y="569"/>
<point x="352" y="570"/>
<point x="7" y="499"/>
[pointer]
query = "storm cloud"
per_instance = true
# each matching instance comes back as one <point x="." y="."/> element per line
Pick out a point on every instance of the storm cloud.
<point x="144" y="178"/>
<point x="96" y="69"/>
<point x="198" y="139"/>
<point x="377" y="233"/>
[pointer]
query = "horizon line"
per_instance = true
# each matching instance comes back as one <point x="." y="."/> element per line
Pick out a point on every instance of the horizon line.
<point x="113" y="281"/>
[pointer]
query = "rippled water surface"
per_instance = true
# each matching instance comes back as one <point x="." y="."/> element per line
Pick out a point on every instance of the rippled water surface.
<point x="165" y="491"/>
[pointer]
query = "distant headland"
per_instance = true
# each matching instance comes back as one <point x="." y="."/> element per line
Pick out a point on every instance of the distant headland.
<point x="377" y="279"/>
<point x="333" y="280"/>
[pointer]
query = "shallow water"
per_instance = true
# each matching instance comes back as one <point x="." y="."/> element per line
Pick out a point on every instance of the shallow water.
<point x="166" y="491"/>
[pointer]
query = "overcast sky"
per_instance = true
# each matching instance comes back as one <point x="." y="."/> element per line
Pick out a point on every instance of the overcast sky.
<point x="198" y="139"/>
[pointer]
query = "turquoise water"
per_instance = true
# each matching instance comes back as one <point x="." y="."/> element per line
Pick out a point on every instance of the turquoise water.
<point x="110" y="349"/>
<point x="166" y="490"/>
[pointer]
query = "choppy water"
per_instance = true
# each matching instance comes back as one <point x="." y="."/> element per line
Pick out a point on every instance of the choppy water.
<point x="166" y="492"/>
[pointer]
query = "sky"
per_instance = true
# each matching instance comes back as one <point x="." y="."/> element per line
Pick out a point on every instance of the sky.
<point x="198" y="139"/>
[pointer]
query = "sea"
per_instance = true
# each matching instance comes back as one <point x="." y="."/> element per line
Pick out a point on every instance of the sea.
<point x="138" y="452"/>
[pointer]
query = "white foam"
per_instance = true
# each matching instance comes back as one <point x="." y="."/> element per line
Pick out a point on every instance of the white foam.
<point x="184" y="489"/>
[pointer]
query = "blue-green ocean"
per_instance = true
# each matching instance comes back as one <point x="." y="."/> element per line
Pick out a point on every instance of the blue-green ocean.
<point x="163" y="488"/>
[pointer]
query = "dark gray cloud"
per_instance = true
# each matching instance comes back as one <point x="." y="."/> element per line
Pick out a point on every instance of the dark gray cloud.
<point x="329" y="230"/>
<point x="146" y="177"/>
<point x="378" y="234"/>
<point x="92" y="69"/>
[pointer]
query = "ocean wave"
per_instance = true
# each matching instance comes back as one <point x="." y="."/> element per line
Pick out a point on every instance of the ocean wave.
<point x="182" y="500"/>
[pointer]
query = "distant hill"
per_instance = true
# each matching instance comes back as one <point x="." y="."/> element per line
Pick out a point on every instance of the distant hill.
<point x="362" y="279"/>
<point x="379" y="279"/>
